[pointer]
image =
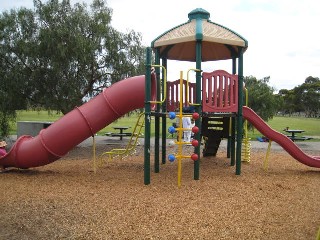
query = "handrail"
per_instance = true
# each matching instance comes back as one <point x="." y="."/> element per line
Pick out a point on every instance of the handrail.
<point x="165" y="84"/>
<point x="195" y="70"/>
<point x="130" y="149"/>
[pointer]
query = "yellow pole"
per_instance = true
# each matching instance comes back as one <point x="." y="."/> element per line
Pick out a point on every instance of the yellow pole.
<point x="180" y="130"/>
<point x="265" y="163"/>
<point x="94" y="155"/>
<point x="318" y="235"/>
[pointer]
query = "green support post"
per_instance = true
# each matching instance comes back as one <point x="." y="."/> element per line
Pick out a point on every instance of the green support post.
<point x="198" y="109"/>
<point x="239" y="117"/>
<point x="229" y="139"/>
<point x="157" y="121"/>
<point x="147" y="118"/>
<point x="228" y="147"/>
<point x="233" y="141"/>
<point x="164" y="119"/>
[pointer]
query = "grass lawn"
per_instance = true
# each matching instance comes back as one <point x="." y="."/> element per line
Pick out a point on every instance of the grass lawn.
<point x="310" y="125"/>
<point x="278" y="123"/>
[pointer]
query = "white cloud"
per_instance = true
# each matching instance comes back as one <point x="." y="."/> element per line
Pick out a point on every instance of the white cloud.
<point x="282" y="35"/>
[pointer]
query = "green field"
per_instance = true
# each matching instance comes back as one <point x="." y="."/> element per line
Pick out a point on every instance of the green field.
<point x="310" y="125"/>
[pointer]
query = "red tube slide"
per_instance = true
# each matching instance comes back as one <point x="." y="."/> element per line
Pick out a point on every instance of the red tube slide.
<point x="281" y="139"/>
<point x="55" y="141"/>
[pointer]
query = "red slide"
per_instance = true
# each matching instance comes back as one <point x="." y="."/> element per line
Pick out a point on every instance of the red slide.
<point x="58" y="139"/>
<point x="281" y="139"/>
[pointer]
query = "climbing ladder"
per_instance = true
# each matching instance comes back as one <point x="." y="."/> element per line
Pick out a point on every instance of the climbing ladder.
<point x="131" y="146"/>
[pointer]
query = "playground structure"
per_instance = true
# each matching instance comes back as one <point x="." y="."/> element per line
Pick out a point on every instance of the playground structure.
<point x="216" y="97"/>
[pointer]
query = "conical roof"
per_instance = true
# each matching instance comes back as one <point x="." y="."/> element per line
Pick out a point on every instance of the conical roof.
<point x="218" y="42"/>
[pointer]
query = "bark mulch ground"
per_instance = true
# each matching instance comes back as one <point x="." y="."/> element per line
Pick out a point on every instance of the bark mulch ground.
<point x="67" y="200"/>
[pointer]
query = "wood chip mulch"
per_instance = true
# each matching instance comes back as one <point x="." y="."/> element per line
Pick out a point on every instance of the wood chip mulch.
<point x="67" y="200"/>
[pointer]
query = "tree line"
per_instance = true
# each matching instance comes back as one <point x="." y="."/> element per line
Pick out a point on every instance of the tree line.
<point x="56" y="56"/>
<point x="302" y="99"/>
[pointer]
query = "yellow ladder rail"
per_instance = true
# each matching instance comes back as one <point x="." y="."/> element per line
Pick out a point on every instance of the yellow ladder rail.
<point x="131" y="146"/>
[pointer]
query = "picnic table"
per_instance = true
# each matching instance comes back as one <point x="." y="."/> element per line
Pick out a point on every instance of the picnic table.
<point x="293" y="134"/>
<point x="121" y="132"/>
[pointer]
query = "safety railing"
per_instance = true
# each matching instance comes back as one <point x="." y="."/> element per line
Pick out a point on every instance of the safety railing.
<point x="219" y="92"/>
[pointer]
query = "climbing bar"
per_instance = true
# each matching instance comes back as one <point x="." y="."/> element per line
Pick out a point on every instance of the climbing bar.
<point x="164" y="84"/>
<point x="187" y="97"/>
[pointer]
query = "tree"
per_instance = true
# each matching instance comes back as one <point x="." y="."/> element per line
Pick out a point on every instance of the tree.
<point x="261" y="98"/>
<point x="14" y="87"/>
<point x="310" y="96"/>
<point x="57" y="56"/>
<point x="303" y="98"/>
<point x="287" y="98"/>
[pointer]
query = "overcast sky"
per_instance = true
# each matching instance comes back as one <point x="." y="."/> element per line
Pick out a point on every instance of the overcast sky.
<point x="283" y="35"/>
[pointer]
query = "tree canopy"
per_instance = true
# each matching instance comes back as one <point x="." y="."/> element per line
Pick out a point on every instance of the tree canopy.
<point x="56" y="55"/>
<point x="59" y="54"/>
<point x="261" y="97"/>
<point x="303" y="98"/>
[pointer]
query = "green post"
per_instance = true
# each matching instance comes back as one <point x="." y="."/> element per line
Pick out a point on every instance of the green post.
<point x="198" y="109"/>
<point x="231" y="139"/>
<point x="147" y="118"/>
<point x="239" y="117"/>
<point x="157" y="120"/>
<point x="164" y="119"/>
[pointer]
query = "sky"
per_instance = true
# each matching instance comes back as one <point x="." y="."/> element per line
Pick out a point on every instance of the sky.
<point x="283" y="37"/>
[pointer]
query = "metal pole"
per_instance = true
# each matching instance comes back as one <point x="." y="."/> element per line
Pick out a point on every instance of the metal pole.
<point x="157" y="118"/>
<point x="198" y="109"/>
<point x="147" y="118"/>
<point x="164" y="119"/>
<point x="239" y="117"/>
<point x="233" y="123"/>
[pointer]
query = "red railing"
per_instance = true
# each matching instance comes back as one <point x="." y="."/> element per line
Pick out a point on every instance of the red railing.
<point x="219" y="92"/>
<point x="173" y="94"/>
